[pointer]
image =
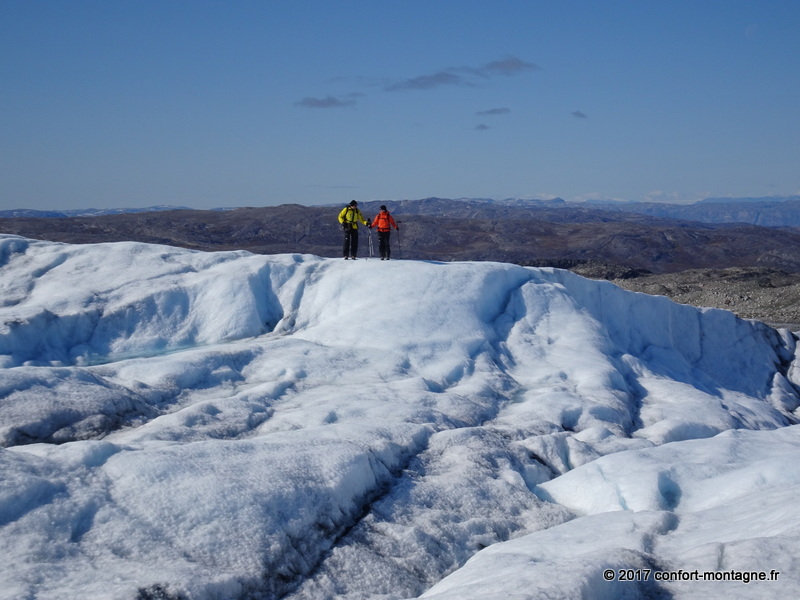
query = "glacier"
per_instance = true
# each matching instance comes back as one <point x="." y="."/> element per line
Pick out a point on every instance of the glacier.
<point x="190" y="425"/>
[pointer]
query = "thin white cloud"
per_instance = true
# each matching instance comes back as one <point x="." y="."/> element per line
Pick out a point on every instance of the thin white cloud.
<point x="334" y="187"/>
<point x="664" y="197"/>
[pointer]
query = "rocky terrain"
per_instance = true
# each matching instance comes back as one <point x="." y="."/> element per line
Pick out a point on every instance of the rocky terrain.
<point x="761" y="293"/>
<point x="768" y="295"/>
<point x="751" y="270"/>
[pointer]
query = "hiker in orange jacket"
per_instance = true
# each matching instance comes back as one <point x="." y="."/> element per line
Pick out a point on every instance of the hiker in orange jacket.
<point x="384" y="223"/>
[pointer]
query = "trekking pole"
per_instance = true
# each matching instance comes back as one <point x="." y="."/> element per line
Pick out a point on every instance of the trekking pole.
<point x="399" y="246"/>
<point x="371" y="249"/>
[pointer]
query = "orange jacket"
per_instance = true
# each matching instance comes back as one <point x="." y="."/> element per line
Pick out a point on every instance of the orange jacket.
<point x="384" y="221"/>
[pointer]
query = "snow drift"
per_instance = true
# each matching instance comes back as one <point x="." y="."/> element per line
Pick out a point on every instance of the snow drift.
<point x="179" y="424"/>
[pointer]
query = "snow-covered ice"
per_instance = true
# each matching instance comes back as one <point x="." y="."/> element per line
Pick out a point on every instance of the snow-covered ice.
<point x="189" y="425"/>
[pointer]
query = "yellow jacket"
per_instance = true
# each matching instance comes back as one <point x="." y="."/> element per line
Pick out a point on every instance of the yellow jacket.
<point x="351" y="215"/>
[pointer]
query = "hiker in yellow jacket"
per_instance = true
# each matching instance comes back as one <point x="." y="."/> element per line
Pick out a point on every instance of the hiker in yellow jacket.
<point x="349" y="218"/>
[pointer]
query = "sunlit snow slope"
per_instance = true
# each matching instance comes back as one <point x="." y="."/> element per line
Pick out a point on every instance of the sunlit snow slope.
<point x="191" y="425"/>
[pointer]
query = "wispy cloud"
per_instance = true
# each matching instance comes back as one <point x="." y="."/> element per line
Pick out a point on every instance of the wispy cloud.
<point x="328" y="101"/>
<point x="482" y="127"/>
<point x="429" y="82"/>
<point x="508" y="66"/>
<point x="662" y="196"/>
<point x="493" y="111"/>
<point x="464" y="76"/>
<point x="333" y="187"/>
<point x="579" y="115"/>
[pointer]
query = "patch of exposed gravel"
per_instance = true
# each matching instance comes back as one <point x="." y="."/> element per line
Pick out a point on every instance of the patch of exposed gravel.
<point x="764" y="294"/>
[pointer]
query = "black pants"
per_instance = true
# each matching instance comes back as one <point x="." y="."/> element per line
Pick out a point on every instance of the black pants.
<point x="384" y="247"/>
<point x="350" y="247"/>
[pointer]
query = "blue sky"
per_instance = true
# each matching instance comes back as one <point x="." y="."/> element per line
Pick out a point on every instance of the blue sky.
<point x="207" y="104"/>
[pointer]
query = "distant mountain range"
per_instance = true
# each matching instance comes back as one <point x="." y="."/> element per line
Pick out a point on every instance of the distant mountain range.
<point x="540" y="233"/>
<point x="86" y="212"/>
<point x="740" y="200"/>
<point x="767" y="211"/>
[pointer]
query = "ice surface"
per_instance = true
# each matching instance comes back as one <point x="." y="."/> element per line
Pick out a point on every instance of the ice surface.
<point x="179" y="424"/>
